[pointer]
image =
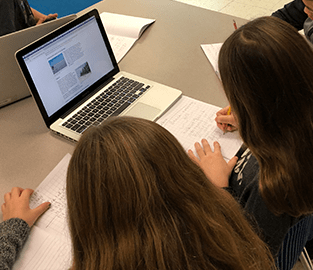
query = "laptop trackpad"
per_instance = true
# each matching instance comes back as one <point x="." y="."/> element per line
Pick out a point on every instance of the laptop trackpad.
<point x="143" y="111"/>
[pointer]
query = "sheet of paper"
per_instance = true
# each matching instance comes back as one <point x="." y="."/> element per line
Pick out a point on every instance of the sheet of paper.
<point x="123" y="25"/>
<point x="123" y="31"/>
<point x="53" y="189"/>
<point x="43" y="250"/>
<point x="191" y="120"/>
<point x="49" y="243"/>
<point x="120" y="45"/>
<point x="211" y="51"/>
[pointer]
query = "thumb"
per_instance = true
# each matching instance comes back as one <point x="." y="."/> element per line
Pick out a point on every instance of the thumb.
<point x="232" y="162"/>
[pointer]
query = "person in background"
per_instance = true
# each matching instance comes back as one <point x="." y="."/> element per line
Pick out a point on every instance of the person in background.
<point x="17" y="221"/>
<point x="298" y="13"/>
<point x="16" y="15"/>
<point x="136" y="201"/>
<point x="266" y="70"/>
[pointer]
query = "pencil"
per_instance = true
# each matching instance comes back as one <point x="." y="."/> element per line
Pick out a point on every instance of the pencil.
<point x="235" y="25"/>
<point x="228" y="113"/>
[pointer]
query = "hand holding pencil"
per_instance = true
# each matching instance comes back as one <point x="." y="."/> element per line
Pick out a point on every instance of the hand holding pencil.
<point x="225" y="120"/>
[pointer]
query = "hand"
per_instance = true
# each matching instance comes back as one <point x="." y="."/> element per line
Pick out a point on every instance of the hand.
<point x="40" y="18"/>
<point x="16" y="205"/>
<point x="213" y="164"/>
<point x="226" y="122"/>
<point x="44" y="18"/>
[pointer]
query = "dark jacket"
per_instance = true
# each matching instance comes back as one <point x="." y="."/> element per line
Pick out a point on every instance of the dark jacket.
<point x="15" y="15"/>
<point x="244" y="186"/>
<point x="292" y="13"/>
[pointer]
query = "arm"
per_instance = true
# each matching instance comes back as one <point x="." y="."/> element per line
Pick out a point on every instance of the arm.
<point x="18" y="218"/>
<point x="13" y="235"/>
<point x="292" y="13"/>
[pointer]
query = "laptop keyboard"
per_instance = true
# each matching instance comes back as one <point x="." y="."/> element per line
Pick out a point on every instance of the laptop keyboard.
<point x="111" y="102"/>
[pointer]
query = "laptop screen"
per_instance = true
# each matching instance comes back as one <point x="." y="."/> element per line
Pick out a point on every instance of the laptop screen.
<point x="67" y="65"/>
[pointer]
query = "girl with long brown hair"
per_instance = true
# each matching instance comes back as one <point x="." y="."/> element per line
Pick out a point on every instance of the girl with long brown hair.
<point x="266" y="69"/>
<point x="136" y="201"/>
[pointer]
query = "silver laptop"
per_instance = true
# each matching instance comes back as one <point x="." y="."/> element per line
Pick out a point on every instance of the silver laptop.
<point x="76" y="82"/>
<point x="13" y="86"/>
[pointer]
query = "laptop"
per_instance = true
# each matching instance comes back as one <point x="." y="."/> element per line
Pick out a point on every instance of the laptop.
<point x="13" y="86"/>
<point x="76" y="82"/>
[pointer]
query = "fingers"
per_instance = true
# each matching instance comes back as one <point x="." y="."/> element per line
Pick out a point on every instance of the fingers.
<point x="7" y="196"/>
<point x="51" y="16"/>
<point x="16" y="192"/>
<point x="220" y="125"/>
<point x="192" y="156"/>
<point x="204" y="149"/>
<point x="217" y="147"/>
<point x="206" y="146"/>
<point x="27" y="193"/>
<point x="223" y="111"/>
<point x="225" y="119"/>
<point x="199" y="150"/>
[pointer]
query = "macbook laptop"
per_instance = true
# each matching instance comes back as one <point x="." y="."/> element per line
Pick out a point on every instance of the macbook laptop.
<point x="76" y="82"/>
<point x="13" y="86"/>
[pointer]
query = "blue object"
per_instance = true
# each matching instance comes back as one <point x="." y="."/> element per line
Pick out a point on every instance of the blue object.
<point x="63" y="8"/>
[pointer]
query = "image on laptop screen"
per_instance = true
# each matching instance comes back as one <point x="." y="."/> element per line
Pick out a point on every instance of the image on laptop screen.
<point x="68" y="65"/>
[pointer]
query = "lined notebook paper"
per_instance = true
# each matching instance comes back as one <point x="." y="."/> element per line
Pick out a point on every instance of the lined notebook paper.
<point x="191" y="120"/>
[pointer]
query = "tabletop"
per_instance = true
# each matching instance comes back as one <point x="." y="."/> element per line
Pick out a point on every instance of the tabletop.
<point x="168" y="52"/>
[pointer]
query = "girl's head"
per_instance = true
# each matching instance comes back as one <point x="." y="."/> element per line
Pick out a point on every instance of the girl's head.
<point x="267" y="72"/>
<point x="136" y="201"/>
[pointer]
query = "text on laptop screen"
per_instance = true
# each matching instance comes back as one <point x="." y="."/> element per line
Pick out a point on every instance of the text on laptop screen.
<point x="67" y="65"/>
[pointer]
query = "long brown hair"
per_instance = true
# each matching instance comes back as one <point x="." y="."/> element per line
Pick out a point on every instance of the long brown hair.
<point x="266" y="69"/>
<point x="136" y="201"/>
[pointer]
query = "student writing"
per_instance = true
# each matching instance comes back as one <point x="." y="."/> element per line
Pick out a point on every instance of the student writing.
<point x="266" y="69"/>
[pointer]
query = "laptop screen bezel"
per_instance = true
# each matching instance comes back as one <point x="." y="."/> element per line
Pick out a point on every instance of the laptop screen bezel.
<point x="89" y="91"/>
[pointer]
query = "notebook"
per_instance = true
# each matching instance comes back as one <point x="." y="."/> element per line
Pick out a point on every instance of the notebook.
<point x="76" y="82"/>
<point x="13" y="86"/>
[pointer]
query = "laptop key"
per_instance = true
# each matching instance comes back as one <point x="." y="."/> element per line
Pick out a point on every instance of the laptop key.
<point x="75" y="127"/>
<point x="81" y="129"/>
<point x="120" y="109"/>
